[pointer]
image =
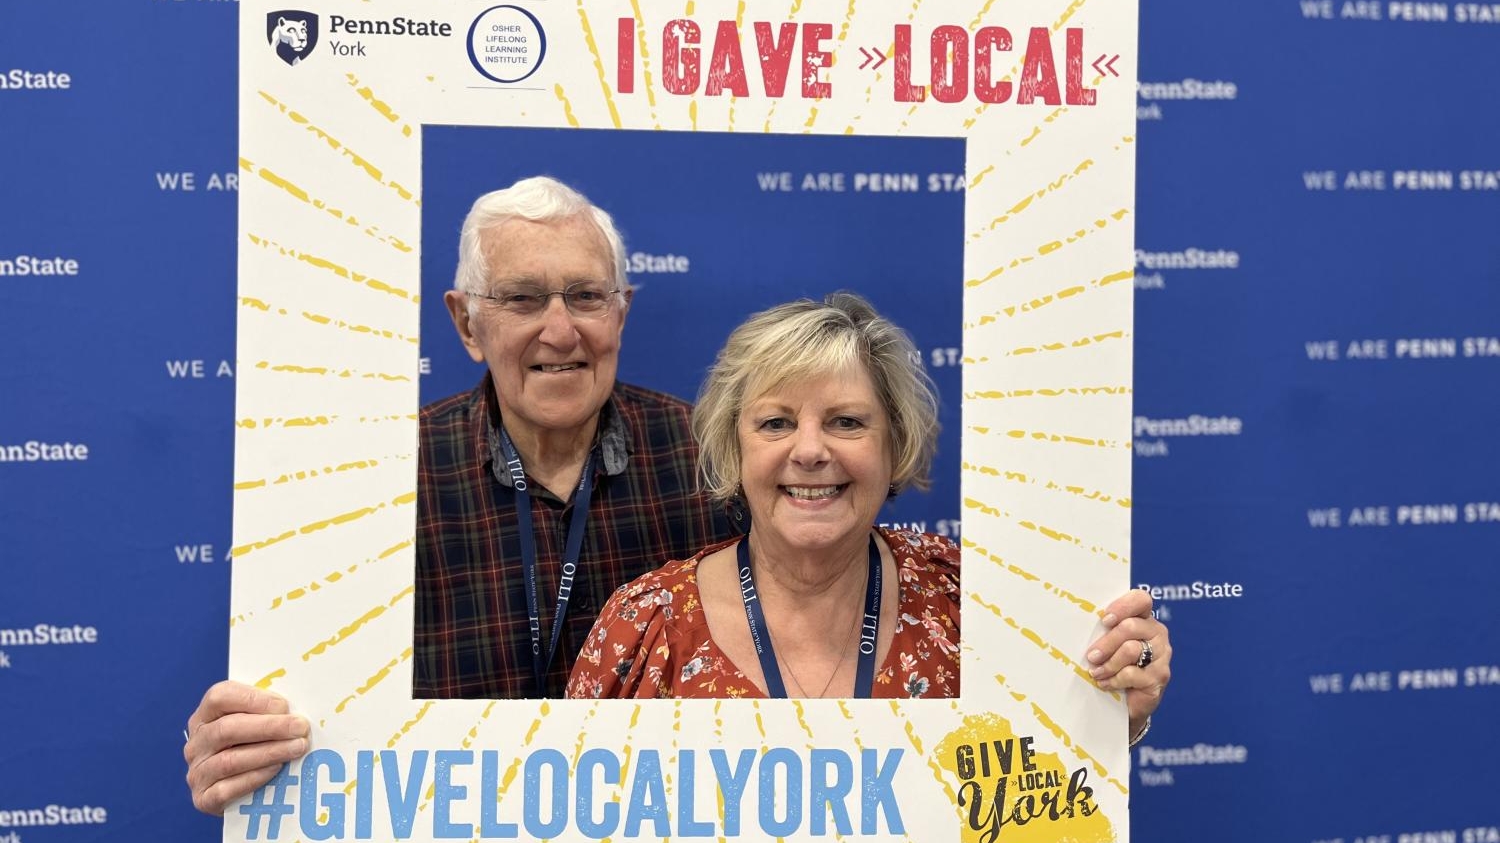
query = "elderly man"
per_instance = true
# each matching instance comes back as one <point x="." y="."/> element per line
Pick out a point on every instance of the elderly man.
<point x="539" y="492"/>
<point x="508" y="583"/>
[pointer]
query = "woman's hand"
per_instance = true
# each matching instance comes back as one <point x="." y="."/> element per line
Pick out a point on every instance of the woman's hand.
<point x="237" y="740"/>
<point x="1116" y="658"/>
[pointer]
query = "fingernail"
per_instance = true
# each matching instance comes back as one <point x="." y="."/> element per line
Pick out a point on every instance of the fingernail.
<point x="1095" y="656"/>
<point x="1110" y="619"/>
<point x="1095" y="671"/>
<point x="301" y="729"/>
<point x="299" y="746"/>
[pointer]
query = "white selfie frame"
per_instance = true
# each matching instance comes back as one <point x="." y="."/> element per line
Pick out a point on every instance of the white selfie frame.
<point x="329" y="239"/>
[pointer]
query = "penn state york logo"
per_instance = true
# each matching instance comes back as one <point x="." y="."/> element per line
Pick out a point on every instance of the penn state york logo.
<point x="292" y="34"/>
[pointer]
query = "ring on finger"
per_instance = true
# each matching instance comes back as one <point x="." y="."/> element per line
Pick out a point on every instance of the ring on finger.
<point x="1146" y="654"/>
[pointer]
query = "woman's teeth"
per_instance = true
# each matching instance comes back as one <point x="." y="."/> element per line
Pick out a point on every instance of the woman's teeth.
<point x="812" y="493"/>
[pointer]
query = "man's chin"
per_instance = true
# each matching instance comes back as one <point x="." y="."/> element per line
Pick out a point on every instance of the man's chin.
<point x="562" y="414"/>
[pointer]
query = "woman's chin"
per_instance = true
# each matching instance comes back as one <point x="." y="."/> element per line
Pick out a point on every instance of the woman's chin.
<point x="816" y="533"/>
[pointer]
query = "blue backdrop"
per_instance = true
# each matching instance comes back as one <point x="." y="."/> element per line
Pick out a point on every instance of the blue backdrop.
<point x="697" y="212"/>
<point x="1319" y="193"/>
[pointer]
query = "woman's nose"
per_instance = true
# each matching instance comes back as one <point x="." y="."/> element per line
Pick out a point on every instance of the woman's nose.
<point x="809" y="447"/>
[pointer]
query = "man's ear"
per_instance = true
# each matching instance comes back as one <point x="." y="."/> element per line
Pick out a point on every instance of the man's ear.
<point x="458" y="310"/>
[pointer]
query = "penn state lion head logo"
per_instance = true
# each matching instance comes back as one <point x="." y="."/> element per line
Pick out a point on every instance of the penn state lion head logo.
<point x="292" y="34"/>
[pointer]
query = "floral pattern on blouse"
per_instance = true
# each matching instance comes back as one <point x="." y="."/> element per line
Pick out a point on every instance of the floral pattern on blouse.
<point x="652" y="638"/>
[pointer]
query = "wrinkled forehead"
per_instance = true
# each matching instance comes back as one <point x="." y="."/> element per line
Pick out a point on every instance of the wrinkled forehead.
<point x="832" y="367"/>
<point x="564" y="250"/>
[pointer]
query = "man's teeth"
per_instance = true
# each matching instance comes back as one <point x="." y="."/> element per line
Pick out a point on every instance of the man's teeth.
<point x="561" y="367"/>
<point x="812" y="493"/>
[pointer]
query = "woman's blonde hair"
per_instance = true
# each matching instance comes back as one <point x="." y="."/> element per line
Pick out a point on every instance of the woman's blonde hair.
<point x="804" y="340"/>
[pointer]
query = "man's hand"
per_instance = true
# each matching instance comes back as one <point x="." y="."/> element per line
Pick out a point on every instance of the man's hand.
<point x="1116" y="656"/>
<point x="237" y="740"/>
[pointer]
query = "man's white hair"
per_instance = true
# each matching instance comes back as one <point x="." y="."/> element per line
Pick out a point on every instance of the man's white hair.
<point x="536" y="199"/>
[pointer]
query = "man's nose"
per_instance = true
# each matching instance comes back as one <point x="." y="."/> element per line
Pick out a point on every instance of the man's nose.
<point x="558" y="328"/>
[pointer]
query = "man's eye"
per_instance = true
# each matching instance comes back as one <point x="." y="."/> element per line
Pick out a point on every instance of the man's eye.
<point x="587" y="296"/>
<point x="519" y="298"/>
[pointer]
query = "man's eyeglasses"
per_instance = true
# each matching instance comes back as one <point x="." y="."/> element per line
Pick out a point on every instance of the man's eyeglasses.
<point x="585" y="299"/>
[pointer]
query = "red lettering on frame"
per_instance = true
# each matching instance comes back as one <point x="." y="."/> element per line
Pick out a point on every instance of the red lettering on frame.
<point x="901" y="78"/>
<point x="950" y="63"/>
<point x="815" y="58"/>
<point x="1039" y="72"/>
<point x="988" y="40"/>
<point x="680" y="71"/>
<point x="726" y="68"/>
<point x="625" y="56"/>
<point x="1077" y="94"/>
<point x="775" y="55"/>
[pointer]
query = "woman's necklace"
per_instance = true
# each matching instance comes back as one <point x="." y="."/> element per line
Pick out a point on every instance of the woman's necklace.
<point x="843" y="657"/>
<point x="765" y="648"/>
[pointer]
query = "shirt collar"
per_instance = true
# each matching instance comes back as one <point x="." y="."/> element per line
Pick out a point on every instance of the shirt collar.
<point x="612" y="438"/>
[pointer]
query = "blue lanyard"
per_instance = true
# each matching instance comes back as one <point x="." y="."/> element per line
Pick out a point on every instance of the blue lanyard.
<point x="585" y="491"/>
<point x="760" y="634"/>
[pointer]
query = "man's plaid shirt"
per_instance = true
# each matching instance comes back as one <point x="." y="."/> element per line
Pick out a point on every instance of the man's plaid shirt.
<point x="472" y="637"/>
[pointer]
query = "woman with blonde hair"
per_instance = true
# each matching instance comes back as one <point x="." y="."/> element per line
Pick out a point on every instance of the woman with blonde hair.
<point x="813" y="415"/>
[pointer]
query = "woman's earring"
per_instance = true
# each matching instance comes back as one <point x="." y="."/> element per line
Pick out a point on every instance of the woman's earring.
<point x="738" y="511"/>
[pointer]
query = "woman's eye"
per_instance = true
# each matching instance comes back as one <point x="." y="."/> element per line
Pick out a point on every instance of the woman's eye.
<point x="847" y="423"/>
<point x="775" y="424"/>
